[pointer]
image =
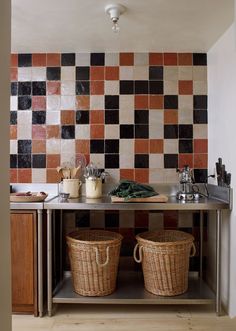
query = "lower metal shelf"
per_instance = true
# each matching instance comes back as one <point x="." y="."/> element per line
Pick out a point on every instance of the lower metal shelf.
<point x="130" y="290"/>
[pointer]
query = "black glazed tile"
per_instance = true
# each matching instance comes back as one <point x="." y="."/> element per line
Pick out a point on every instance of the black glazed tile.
<point x="185" y="146"/>
<point x="200" y="116"/>
<point x="82" y="219"/>
<point x="53" y="73"/>
<point x="97" y="59"/>
<point x="141" y="87"/>
<point x="24" y="60"/>
<point x="126" y="131"/>
<point x="82" y="73"/>
<point x="24" y="160"/>
<point x="112" y="161"/>
<point x="141" y="161"/>
<point x="126" y="87"/>
<point x="141" y="116"/>
<point x="13" y="117"/>
<point x="112" y="146"/>
<point x="24" y="146"/>
<point x="155" y="73"/>
<point x="171" y="131"/>
<point x="170" y="161"/>
<point x="38" y="117"/>
<point x="68" y="132"/>
<point x="24" y="88"/>
<point x="199" y="59"/>
<point x="82" y="87"/>
<point x="111" y="219"/>
<point x="13" y="161"/>
<point x="112" y="116"/>
<point x="39" y="88"/>
<point x="171" y="101"/>
<point x="24" y="102"/>
<point x="141" y="131"/>
<point x="97" y="146"/>
<point x="200" y="101"/>
<point x="156" y="87"/>
<point x="185" y="131"/>
<point x="14" y="89"/>
<point x="82" y="117"/>
<point x="68" y="59"/>
<point x="38" y="161"/>
<point x="112" y="102"/>
<point x="200" y="175"/>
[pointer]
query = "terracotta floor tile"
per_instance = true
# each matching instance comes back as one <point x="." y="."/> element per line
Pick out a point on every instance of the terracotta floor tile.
<point x="53" y="88"/>
<point x="53" y="131"/>
<point x="13" y="131"/>
<point x="156" y="101"/>
<point x="185" y="59"/>
<point x="141" y="102"/>
<point x="141" y="146"/>
<point x="97" y="73"/>
<point x="185" y="159"/>
<point x="14" y="74"/>
<point x="67" y="117"/>
<point x="97" y="87"/>
<point x="155" y="58"/>
<point x="53" y="176"/>
<point x="170" y="59"/>
<point x="185" y="87"/>
<point x="97" y="117"/>
<point x="13" y="176"/>
<point x="171" y="117"/>
<point x="126" y="59"/>
<point x="127" y="174"/>
<point x="112" y="73"/>
<point x="200" y="145"/>
<point x="82" y="102"/>
<point x="14" y="60"/>
<point x="97" y="131"/>
<point x="38" y="146"/>
<point x="200" y="161"/>
<point x="82" y="146"/>
<point x="24" y="175"/>
<point x="53" y="59"/>
<point x="53" y="160"/>
<point x="156" y="146"/>
<point x="39" y="59"/>
<point x="38" y="103"/>
<point x="141" y="175"/>
<point x="38" y="132"/>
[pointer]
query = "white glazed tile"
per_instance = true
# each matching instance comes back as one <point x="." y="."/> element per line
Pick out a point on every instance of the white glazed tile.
<point x="68" y="159"/>
<point x="97" y="102"/>
<point x="141" y="59"/>
<point x="185" y="102"/>
<point x="68" y="88"/>
<point x="126" y="102"/>
<point x="53" y="117"/>
<point x="156" y="116"/>
<point x="67" y="73"/>
<point x="82" y="59"/>
<point x="24" y="131"/>
<point x="171" y="87"/>
<point x="53" y="102"/>
<point x="82" y="131"/>
<point x="24" y="74"/>
<point x="114" y="176"/>
<point x="200" y="73"/>
<point x="112" y="87"/>
<point x="24" y="117"/>
<point x="127" y="219"/>
<point x="38" y="73"/>
<point x="126" y="161"/>
<point x="185" y="116"/>
<point x="14" y="102"/>
<point x="111" y="59"/>
<point x="141" y="72"/>
<point x="156" y="131"/>
<point x="38" y="175"/>
<point x="156" y="221"/>
<point x="171" y="176"/>
<point x="68" y="102"/>
<point x="171" y="146"/>
<point x="112" y="131"/>
<point x="68" y="146"/>
<point x="13" y="146"/>
<point x="185" y="72"/>
<point x="126" y="147"/>
<point x="200" y="131"/>
<point x="199" y="87"/>
<point x="156" y="176"/>
<point x="126" y="116"/>
<point x="170" y="73"/>
<point x="98" y="160"/>
<point x="53" y="146"/>
<point x="156" y="161"/>
<point x="126" y="73"/>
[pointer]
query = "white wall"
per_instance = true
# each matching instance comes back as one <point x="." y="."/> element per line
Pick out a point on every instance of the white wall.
<point x="222" y="143"/>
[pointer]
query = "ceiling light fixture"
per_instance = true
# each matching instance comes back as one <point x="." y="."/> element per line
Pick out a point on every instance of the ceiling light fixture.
<point x="115" y="11"/>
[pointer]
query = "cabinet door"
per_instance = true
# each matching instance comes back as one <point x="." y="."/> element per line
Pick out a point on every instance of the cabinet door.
<point x="23" y="255"/>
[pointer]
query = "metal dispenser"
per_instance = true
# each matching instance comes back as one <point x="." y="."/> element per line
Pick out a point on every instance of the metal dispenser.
<point x="186" y="180"/>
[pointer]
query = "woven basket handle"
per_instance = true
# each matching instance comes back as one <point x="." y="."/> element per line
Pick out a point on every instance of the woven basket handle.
<point x="97" y="257"/>
<point x="193" y="249"/>
<point x="139" y="252"/>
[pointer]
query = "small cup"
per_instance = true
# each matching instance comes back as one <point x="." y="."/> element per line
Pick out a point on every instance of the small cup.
<point x="72" y="186"/>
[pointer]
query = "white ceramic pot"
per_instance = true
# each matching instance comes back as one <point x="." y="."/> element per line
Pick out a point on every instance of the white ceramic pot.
<point x="72" y="186"/>
<point x="93" y="187"/>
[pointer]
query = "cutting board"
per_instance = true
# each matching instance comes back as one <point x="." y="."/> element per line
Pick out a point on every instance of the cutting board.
<point x="155" y="198"/>
<point x="30" y="198"/>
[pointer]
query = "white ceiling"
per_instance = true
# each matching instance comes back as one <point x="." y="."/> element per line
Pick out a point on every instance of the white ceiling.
<point x="149" y="25"/>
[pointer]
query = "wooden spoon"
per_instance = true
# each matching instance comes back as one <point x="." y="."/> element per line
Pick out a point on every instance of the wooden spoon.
<point x="75" y="172"/>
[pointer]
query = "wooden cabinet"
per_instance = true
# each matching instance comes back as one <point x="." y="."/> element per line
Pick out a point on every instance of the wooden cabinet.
<point x="24" y="262"/>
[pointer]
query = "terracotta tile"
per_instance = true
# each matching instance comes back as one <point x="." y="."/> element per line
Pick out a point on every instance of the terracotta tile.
<point x="156" y="146"/>
<point x="141" y="146"/>
<point x="97" y="117"/>
<point x="38" y="103"/>
<point x="87" y="158"/>
<point x="13" y="175"/>
<point x="111" y="73"/>
<point x="171" y="117"/>
<point x="127" y="174"/>
<point x="200" y="145"/>
<point x="53" y="59"/>
<point x="185" y="159"/>
<point x="141" y="175"/>
<point x="14" y="74"/>
<point x="126" y="59"/>
<point x="53" y="88"/>
<point x="53" y="176"/>
<point x="97" y="87"/>
<point x="38" y="132"/>
<point x="14" y="60"/>
<point x="185" y="59"/>
<point x="24" y="176"/>
<point x="141" y="102"/>
<point x="156" y="102"/>
<point x="53" y="160"/>
<point x="13" y="131"/>
<point x="53" y="131"/>
<point x="38" y="146"/>
<point x="141" y="219"/>
<point x="39" y="59"/>
<point x="97" y="131"/>
<point x="170" y="219"/>
<point x="82" y="102"/>
<point x="185" y="87"/>
<point x="67" y="117"/>
<point x="82" y="146"/>
<point x="170" y="59"/>
<point x="155" y="58"/>
<point x="97" y="73"/>
<point x="200" y="161"/>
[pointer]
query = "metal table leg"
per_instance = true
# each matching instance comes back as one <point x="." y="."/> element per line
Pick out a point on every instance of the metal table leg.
<point x="218" y="261"/>
<point x="49" y="260"/>
<point x="40" y="263"/>
<point x="201" y="243"/>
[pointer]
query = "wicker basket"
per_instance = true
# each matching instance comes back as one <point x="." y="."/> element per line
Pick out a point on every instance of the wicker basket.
<point x="94" y="258"/>
<point x="165" y="260"/>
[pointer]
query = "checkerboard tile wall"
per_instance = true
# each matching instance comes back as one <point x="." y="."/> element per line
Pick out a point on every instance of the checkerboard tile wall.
<point x="137" y="115"/>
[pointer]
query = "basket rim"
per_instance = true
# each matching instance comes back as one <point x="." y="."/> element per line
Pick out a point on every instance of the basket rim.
<point x="118" y="237"/>
<point x="189" y="238"/>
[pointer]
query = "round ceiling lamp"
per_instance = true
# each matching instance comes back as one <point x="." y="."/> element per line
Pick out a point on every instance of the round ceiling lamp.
<point x="114" y="11"/>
